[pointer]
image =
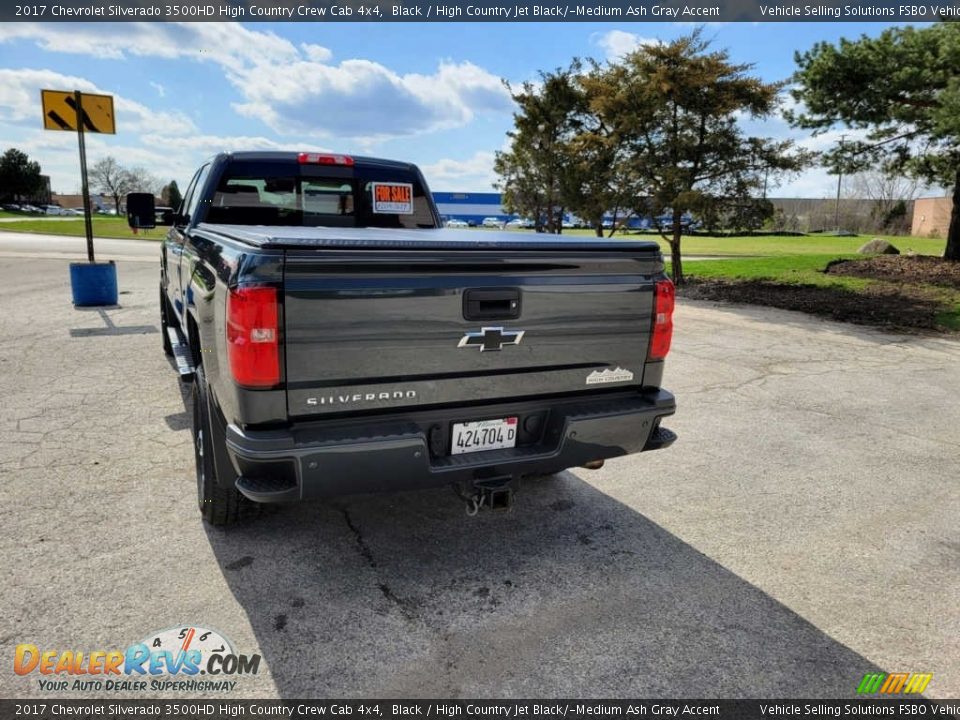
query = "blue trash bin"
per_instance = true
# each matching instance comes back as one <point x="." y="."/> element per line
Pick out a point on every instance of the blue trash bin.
<point x="93" y="283"/>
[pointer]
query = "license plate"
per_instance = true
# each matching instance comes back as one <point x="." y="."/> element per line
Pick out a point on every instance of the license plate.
<point x="483" y="435"/>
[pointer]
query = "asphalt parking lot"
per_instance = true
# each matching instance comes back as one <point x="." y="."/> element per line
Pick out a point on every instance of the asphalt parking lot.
<point x="801" y="532"/>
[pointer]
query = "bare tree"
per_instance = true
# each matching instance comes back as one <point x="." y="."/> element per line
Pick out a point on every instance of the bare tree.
<point x="140" y="180"/>
<point x="889" y="194"/>
<point x="110" y="178"/>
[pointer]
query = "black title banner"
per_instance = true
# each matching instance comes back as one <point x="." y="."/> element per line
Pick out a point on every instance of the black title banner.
<point x="479" y="11"/>
<point x="469" y="709"/>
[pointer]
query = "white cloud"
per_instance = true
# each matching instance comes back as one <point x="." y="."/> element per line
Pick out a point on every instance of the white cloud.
<point x="831" y="139"/>
<point x="168" y="143"/>
<point x="366" y="101"/>
<point x="20" y="92"/>
<point x="617" y="43"/>
<point x="298" y="91"/>
<point x="20" y="102"/>
<point x="294" y="90"/>
<point x="212" y="144"/>
<point x="57" y="154"/>
<point x="169" y="156"/>
<point x="228" y="44"/>
<point x="475" y="173"/>
<point x="316" y="53"/>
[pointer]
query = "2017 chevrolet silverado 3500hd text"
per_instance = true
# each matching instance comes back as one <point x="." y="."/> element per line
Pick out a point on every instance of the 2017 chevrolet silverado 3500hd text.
<point x="340" y="341"/>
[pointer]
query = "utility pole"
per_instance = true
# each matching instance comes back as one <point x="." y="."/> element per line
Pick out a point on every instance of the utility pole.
<point x="836" y="218"/>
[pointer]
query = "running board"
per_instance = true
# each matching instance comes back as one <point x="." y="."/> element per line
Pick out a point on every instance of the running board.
<point x="181" y="355"/>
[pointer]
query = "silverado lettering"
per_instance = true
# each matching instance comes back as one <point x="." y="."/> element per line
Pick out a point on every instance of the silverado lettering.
<point x="357" y="397"/>
<point x="339" y="340"/>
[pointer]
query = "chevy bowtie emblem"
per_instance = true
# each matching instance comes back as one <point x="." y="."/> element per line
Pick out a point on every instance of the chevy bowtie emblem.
<point x="491" y="338"/>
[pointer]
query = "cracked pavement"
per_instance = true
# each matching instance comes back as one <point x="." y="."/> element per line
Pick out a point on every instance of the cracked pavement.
<point x="801" y="532"/>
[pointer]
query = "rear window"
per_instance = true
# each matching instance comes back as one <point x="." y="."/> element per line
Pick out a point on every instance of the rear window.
<point x="293" y="194"/>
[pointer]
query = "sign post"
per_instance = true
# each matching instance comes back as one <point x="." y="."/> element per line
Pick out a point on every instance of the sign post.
<point x="92" y="283"/>
<point x="87" y="216"/>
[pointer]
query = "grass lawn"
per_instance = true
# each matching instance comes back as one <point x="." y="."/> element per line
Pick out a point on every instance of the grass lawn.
<point x="793" y="269"/>
<point x="768" y="245"/>
<point x="774" y="244"/>
<point x="799" y="282"/>
<point x="802" y="245"/>
<point x="103" y="226"/>
<point x="785" y="272"/>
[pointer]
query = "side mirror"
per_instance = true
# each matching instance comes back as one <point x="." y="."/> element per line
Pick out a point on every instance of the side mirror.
<point x="140" y="211"/>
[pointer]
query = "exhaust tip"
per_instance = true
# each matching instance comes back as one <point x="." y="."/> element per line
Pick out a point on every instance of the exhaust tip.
<point x="593" y="465"/>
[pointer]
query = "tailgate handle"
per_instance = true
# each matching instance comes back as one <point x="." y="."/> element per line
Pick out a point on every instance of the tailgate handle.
<point x="498" y="304"/>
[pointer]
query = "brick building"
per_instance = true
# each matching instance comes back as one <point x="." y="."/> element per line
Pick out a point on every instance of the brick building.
<point x="931" y="217"/>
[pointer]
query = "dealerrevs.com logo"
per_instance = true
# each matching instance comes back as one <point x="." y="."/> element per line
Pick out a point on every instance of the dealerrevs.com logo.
<point x="170" y="660"/>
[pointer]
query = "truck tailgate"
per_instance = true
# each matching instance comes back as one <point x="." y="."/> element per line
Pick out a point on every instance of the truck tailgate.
<point x="375" y="329"/>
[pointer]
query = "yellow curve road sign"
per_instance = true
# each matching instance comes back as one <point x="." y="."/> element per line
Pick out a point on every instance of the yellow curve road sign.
<point x="60" y="112"/>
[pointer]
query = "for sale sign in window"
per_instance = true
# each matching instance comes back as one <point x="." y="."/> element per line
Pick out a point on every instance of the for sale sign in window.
<point x="393" y="198"/>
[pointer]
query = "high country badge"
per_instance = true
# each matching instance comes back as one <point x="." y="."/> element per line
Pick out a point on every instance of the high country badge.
<point x="602" y="377"/>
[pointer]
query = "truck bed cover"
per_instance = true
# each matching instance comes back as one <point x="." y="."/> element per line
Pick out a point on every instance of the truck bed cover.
<point x="297" y="237"/>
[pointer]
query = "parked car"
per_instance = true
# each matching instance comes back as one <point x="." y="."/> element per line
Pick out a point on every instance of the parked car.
<point x="52" y="210"/>
<point x="524" y="223"/>
<point x="454" y="223"/>
<point x="72" y="211"/>
<point x="334" y="354"/>
<point x="492" y="222"/>
<point x="12" y="207"/>
<point x="30" y="209"/>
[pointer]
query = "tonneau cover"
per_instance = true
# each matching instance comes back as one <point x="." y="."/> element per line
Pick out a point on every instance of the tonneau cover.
<point x="297" y="237"/>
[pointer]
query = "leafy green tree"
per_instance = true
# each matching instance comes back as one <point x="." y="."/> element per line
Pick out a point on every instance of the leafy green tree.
<point x="599" y="178"/>
<point x="675" y="108"/>
<point x="903" y="88"/>
<point x="534" y="171"/>
<point x="19" y="176"/>
<point x="518" y="181"/>
<point x="564" y="155"/>
<point x="171" y="195"/>
<point x="657" y="132"/>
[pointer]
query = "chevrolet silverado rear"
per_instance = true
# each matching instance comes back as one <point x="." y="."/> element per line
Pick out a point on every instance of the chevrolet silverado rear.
<point x="340" y="341"/>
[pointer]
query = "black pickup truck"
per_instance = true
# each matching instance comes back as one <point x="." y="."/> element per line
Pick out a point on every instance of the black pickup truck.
<point x="341" y="341"/>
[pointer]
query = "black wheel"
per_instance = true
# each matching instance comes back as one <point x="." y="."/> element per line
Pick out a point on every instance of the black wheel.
<point x="218" y="505"/>
<point x="164" y="324"/>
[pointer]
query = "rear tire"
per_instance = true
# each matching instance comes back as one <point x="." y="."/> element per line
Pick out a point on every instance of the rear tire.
<point x="219" y="506"/>
<point x="164" y="324"/>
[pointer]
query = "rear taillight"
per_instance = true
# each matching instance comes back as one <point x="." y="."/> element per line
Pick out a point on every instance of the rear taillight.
<point x="324" y="159"/>
<point x="662" y="320"/>
<point x="253" y="336"/>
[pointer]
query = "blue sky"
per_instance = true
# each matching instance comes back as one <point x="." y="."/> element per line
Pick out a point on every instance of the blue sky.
<point x="428" y="93"/>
